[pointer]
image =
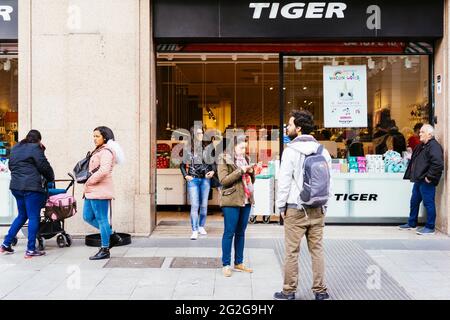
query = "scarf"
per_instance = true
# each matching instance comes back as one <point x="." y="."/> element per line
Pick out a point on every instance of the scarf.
<point x="240" y="161"/>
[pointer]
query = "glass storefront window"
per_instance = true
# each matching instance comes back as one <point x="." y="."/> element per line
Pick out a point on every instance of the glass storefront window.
<point x="397" y="95"/>
<point x="365" y="109"/>
<point x="8" y="131"/>
<point x="225" y="91"/>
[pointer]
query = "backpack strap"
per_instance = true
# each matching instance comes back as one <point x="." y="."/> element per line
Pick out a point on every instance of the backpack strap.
<point x="320" y="149"/>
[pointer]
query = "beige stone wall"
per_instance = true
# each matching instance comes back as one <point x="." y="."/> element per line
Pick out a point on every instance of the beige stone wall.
<point x="442" y="127"/>
<point x="84" y="64"/>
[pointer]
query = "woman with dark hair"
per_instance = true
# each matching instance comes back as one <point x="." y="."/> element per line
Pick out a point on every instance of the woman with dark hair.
<point x="198" y="175"/>
<point x="30" y="173"/>
<point x="237" y="178"/>
<point x="99" y="190"/>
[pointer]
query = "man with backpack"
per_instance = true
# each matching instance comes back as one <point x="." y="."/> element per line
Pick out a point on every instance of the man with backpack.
<point x="303" y="193"/>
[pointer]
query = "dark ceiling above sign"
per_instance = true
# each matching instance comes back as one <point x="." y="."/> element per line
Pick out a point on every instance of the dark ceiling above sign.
<point x="218" y="20"/>
<point x="8" y="20"/>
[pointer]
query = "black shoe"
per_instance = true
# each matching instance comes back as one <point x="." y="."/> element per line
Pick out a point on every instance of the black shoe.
<point x="282" y="296"/>
<point x="322" y="295"/>
<point x="103" y="253"/>
<point x="115" y="240"/>
<point x="5" y="249"/>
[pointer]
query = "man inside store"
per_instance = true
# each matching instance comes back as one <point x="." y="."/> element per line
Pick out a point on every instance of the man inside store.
<point x="414" y="140"/>
<point x="425" y="171"/>
<point x="302" y="217"/>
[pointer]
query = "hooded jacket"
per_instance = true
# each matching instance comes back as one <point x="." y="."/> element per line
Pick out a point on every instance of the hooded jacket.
<point x="290" y="176"/>
<point x="100" y="184"/>
<point x="29" y="167"/>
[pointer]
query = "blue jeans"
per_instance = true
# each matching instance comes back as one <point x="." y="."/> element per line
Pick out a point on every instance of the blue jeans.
<point x="95" y="212"/>
<point x="29" y="205"/>
<point x="198" y="190"/>
<point x="425" y="192"/>
<point x="236" y="220"/>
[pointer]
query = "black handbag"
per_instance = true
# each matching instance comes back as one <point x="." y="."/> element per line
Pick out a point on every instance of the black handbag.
<point x="215" y="183"/>
<point x="81" y="169"/>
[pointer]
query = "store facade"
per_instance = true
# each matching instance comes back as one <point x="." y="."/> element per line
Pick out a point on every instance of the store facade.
<point x="77" y="71"/>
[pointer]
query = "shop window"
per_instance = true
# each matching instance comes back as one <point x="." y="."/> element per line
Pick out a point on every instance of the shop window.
<point x="394" y="97"/>
<point x="365" y="109"/>
<point x="8" y="131"/>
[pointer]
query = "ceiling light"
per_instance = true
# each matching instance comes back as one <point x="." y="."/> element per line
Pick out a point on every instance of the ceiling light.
<point x="266" y="57"/>
<point x="284" y="88"/>
<point x="408" y="63"/>
<point x="234" y="57"/>
<point x="203" y="57"/>
<point x="370" y="63"/>
<point x="305" y="101"/>
<point x="305" y="88"/>
<point x="170" y="57"/>
<point x="298" y="64"/>
<point x="7" y="65"/>
<point x="271" y="88"/>
<point x="289" y="102"/>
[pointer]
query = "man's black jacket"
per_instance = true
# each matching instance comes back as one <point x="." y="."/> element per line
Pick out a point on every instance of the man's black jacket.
<point x="427" y="161"/>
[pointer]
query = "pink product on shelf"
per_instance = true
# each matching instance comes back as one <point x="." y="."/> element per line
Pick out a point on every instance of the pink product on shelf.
<point x="362" y="170"/>
<point x="361" y="159"/>
<point x="336" y="166"/>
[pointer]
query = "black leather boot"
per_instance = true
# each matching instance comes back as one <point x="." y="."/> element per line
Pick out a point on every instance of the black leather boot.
<point x="115" y="240"/>
<point x="103" y="253"/>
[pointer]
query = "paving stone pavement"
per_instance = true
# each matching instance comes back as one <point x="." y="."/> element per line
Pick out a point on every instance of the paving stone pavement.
<point x="356" y="268"/>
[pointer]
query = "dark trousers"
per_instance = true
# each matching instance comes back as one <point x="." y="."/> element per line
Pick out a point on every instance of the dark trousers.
<point x="425" y="192"/>
<point x="29" y="204"/>
<point x="236" y="220"/>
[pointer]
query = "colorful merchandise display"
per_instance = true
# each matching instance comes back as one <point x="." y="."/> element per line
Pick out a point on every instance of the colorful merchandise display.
<point x="162" y="156"/>
<point x="393" y="162"/>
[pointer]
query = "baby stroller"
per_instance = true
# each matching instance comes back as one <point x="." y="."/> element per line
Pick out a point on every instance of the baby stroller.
<point x="56" y="210"/>
<point x="52" y="219"/>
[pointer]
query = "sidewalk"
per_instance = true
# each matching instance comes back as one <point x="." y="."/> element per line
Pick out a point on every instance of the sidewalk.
<point x="361" y="263"/>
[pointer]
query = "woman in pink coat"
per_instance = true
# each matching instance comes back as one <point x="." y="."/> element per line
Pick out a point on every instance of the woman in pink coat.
<point x="99" y="189"/>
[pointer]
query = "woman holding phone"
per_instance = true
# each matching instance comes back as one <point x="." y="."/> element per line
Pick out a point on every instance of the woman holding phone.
<point x="237" y="177"/>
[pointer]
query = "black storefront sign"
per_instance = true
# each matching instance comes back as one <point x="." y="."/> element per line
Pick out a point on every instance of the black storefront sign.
<point x="289" y="20"/>
<point x="9" y="20"/>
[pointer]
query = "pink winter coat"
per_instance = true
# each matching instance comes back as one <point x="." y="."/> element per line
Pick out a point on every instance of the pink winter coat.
<point x="100" y="184"/>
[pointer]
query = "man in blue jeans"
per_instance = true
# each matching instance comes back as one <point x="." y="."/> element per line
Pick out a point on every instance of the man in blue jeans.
<point x="424" y="170"/>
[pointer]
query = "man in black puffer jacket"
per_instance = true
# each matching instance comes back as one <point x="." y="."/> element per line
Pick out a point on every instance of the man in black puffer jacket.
<point x="30" y="171"/>
<point x="425" y="171"/>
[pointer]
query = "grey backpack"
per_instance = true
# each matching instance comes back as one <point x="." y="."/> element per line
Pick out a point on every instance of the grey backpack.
<point x="316" y="180"/>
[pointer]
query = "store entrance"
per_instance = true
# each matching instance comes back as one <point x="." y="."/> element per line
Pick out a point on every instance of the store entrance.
<point x="233" y="91"/>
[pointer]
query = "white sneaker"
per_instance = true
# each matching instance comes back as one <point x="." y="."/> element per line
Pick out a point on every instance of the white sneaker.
<point x="202" y="231"/>
<point x="194" y="235"/>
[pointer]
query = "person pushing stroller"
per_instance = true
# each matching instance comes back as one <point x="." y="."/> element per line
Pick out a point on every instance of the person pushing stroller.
<point x="30" y="172"/>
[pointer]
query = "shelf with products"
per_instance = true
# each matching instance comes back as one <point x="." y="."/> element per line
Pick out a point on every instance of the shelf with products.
<point x="390" y="162"/>
<point x="164" y="151"/>
<point x="8" y="132"/>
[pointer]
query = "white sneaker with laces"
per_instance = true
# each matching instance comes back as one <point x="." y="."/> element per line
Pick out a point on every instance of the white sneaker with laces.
<point x="202" y="231"/>
<point x="194" y="235"/>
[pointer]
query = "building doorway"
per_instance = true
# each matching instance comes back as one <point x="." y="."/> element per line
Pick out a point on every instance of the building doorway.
<point x="222" y="91"/>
